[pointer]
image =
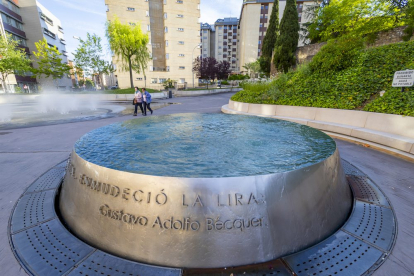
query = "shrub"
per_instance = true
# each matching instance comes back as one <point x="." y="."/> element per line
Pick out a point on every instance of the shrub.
<point x="370" y="71"/>
<point x="239" y="77"/>
<point x="337" y="55"/>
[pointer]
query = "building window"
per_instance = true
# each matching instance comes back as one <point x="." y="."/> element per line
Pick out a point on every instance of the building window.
<point x="181" y="67"/>
<point x="132" y="24"/>
<point x="64" y="53"/>
<point x="166" y="29"/>
<point x="153" y="80"/>
<point x="179" y="2"/>
<point x="162" y="80"/>
<point x="148" y="28"/>
<point x="166" y="43"/>
<point x="146" y="13"/>
<point x="139" y="79"/>
<point x="165" y="2"/>
<point x="11" y="21"/>
<point x="46" y="19"/>
<point x="181" y="42"/>
<point x="49" y="33"/>
<point x="167" y="56"/>
<point x="20" y="41"/>
<point x="182" y="80"/>
<point x="130" y="9"/>
<point x="107" y="8"/>
<point x="181" y="55"/>
<point x="180" y="15"/>
<point x="168" y="68"/>
<point x="63" y="41"/>
<point x="11" y="6"/>
<point x="180" y="29"/>
<point x="260" y="42"/>
<point x="165" y="15"/>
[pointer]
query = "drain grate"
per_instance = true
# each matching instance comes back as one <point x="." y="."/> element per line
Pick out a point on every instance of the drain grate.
<point x="350" y="169"/>
<point x="49" y="249"/>
<point x="366" y="190"/>
<point x="372" y="223"/>
<point x="44" y="247"/>
<point x="32" y="209"/>
<point x="272" y="268"/>
<point x="340" y="254"/>
<point x="49" y="180"/>
<point x="100" y="263"/>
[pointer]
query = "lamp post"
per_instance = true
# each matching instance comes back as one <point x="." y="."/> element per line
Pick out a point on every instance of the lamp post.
<point x="192" y="60"/>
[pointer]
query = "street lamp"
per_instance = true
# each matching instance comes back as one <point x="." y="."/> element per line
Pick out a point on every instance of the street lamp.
<point x="192" y="60"/>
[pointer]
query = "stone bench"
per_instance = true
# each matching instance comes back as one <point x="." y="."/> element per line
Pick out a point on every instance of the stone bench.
<point x="392" y="131"/>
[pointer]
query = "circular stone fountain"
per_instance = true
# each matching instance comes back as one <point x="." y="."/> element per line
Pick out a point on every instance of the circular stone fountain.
<point x="204" y="190"/>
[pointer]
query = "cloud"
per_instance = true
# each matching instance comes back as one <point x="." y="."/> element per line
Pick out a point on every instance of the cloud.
<point x="80" y="6"/>
<point x="211" y="10"/>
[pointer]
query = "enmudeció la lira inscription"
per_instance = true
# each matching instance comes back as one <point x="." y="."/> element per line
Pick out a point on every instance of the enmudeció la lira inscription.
<point x="161" y="198"/>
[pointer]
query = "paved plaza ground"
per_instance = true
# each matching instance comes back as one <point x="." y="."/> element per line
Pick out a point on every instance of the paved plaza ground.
<point x="26" y="153"/>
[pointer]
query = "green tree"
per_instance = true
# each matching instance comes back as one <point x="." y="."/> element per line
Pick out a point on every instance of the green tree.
<point x="129" y="43"/>
<point x="89" y="57"/>
<point x="357" y="18"/>
<point x="253" y="68"/>
<point x="287" y="41"/>
<point x="140" y="62"/>
<point x="12" y="59"/>
<point x="270" y="39"/>
<point x="49" y="62"/>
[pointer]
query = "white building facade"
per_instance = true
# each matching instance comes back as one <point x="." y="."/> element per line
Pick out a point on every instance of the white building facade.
<point x="41" y="23"/>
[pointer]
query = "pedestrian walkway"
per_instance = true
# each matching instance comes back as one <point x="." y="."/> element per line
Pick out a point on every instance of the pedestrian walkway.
<point x="27" y="153"/>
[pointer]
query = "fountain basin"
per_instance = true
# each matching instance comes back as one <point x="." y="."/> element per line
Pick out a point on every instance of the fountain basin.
<point x="204" y="190"/>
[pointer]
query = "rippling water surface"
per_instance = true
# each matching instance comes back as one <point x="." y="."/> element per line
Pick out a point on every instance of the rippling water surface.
<point x="205" y="145"/>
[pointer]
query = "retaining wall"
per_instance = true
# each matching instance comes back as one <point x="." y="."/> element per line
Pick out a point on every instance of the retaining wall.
<point x="393" y="131"/>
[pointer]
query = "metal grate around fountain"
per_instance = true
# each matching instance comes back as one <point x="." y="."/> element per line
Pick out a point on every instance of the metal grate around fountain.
<point x="44" y="246"/>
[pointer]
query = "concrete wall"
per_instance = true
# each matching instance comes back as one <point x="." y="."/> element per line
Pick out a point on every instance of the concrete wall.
<point x="182" y="93"/>
<point x="393" y="131"/>
<point x="306" y="53"/>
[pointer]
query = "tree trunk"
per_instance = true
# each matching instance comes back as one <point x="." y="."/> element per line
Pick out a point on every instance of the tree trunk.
<point x="130" y="72"/>
<point x="3" y="82"/>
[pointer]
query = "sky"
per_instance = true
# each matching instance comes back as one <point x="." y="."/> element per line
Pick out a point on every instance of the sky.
<point x="79" y="17"/>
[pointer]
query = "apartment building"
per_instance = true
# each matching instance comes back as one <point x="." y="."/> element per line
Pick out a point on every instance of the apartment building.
<point x="254" y="20"/>
<point x="226" y="48"/>
<point x="12" y="24"/>
<point x="41" y="23"/>
<point x="208" y="40"/>
<point x="174" y="31"/>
